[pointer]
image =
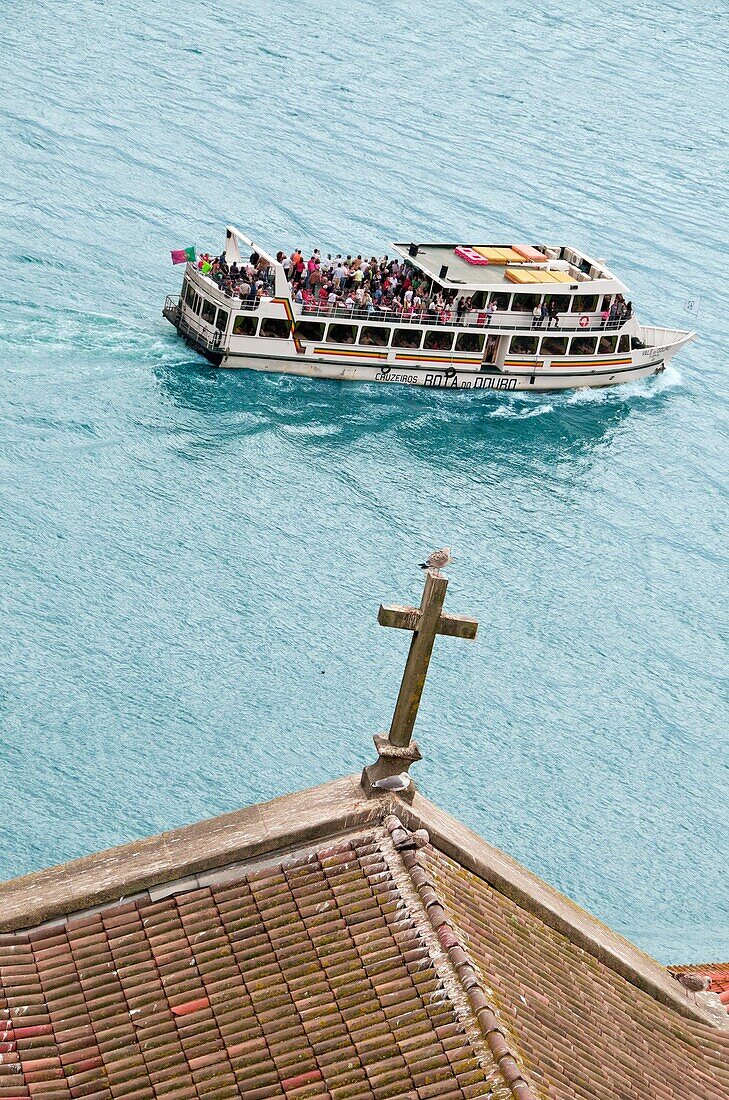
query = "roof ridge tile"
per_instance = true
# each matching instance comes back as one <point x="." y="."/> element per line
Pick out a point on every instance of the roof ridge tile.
<point x="407" y="844"/>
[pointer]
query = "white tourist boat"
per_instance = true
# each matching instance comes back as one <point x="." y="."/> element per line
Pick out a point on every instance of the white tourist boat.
<point x="496" y="344"/>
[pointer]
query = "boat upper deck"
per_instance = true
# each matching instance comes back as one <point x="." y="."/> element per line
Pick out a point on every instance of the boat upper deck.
<point x="480" y="267"/>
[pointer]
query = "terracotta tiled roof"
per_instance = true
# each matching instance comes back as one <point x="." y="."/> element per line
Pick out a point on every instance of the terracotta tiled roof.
<point x="309" y="978"/>
<point x="583" y="1031"/>
<point x="370" y="966"/>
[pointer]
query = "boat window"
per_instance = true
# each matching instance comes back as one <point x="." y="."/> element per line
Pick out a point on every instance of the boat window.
<point x="584" y="303"/>
<point x="190" y="295"/>
<point x="554" y="345"/>
<point x="311" y="330"/>
<point x="525" y="303"/>
<point x="374" y="337"/>
<point x="607" y="344"/>
<point x="583" y="345"/>
<point x="469" y="341"/>
<point x="524" y="345"/>
<point x="502" y="300"/>
<point x="560" y="301"/>
<point x="208" y="311"/>
<point x="275" y="327"/>
<point x="407" y="338"/>
<point x="222" y="319"/>
<point x="438" y="340"/>
<point x="245" y="325"/>
<point x="624" y="344"/>
<point x="478" y="300"/>
<point x="342" y="334"/>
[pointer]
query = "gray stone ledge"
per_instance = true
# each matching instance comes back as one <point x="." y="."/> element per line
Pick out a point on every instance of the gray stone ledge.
<point x="292" y="820"/>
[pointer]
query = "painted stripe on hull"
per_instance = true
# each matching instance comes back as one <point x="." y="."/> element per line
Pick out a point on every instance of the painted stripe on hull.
<point x="351" y="354"/>
<point x="292" y="322"/>
<point x="442" y="360"/>
<point x="580" y="364"/>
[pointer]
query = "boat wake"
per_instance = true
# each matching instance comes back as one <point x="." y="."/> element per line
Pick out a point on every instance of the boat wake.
<point x="645" y="388"/>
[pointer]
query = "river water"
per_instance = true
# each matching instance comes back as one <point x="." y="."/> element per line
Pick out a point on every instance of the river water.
<point x="192" y="560"/>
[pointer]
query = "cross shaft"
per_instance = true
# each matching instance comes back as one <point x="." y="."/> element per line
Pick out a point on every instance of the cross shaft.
<point x="398" y="751"/>
<point x="426" y="622"/>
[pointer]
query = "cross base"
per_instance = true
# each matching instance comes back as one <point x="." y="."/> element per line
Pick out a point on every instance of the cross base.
<point x="391" y="760"/>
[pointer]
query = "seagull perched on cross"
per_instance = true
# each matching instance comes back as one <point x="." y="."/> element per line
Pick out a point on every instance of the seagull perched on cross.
<point x="437" y="560"/>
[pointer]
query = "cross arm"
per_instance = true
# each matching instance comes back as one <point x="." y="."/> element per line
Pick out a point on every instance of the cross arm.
<point x="408" y="618"/>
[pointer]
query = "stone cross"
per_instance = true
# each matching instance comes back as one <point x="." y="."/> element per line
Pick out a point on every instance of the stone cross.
<point x="398" y="751"/>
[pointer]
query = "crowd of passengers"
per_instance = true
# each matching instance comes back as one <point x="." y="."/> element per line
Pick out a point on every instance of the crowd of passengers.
<point x="248" y="281"/>
<point x="348" y="283"/>
<point x="343" y="285"/>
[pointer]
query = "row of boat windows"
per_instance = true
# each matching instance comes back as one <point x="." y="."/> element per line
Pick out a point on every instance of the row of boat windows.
<point x="562" y="345"/>
<point x="205" y="308"/>
<point x="411" y="338"/>
<point x="505" y="301"/>
<point x="432" y="340"/>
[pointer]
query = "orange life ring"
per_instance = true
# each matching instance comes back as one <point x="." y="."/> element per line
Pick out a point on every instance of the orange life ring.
<point x="584" y="321"/>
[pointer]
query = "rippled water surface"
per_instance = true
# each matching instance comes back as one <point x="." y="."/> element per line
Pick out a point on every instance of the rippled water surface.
<point x="192" y="560"/>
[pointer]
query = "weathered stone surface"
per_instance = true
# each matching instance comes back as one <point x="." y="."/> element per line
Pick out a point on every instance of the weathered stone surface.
<point x="292" y="820"/>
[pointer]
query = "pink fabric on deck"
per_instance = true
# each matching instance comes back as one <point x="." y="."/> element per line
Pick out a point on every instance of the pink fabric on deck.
<point x="470" y="255"/>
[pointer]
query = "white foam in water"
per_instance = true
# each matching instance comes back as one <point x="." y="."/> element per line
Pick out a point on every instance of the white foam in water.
<point x="645" y="388"/>
<point x="520" y="414"/>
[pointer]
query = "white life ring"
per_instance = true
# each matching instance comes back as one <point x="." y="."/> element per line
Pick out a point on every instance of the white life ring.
<point x="584" y="321"/>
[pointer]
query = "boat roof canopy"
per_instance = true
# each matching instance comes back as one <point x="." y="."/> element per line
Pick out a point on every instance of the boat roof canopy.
<point x="479" y="267"/>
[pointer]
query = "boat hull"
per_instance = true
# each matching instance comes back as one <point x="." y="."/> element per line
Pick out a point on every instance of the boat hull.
<point x="505" y="380"/>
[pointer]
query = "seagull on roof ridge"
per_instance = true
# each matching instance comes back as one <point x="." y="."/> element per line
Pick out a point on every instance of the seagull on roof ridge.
<point x="693" y="982"/>
<point x="438" y="560"/>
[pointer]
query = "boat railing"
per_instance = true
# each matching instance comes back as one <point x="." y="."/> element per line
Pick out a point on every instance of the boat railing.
<point x="481" y="319"/>
<point x="653" y="336"/>
<point x="203" y="337"/>
<point x="172" y="309"/>
<point x="572" y="322"/>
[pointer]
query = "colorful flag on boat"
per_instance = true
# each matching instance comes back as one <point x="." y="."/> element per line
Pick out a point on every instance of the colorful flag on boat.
<point x="183" y="255"/>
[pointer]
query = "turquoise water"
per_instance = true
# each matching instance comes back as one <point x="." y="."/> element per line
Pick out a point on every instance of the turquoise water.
<point x="192" y="561"/>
